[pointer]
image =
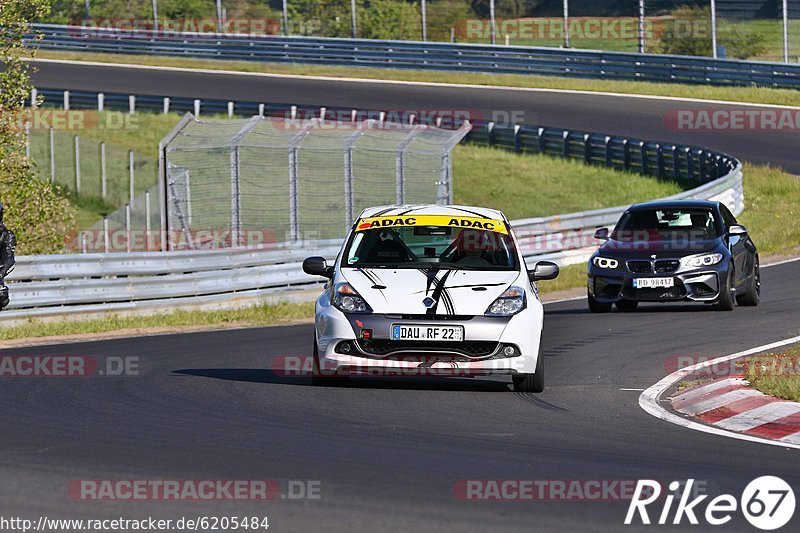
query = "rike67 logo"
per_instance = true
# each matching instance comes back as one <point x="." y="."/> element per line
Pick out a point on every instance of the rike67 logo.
<point x="767" y="503"/>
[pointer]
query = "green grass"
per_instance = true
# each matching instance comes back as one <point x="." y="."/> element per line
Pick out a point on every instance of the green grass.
<point x="772" y="208"/>
<point x="252" y="316"/>
<point x="530" y="185"/>
<point x="733" y="94"/>
<point x="776" y="374"/>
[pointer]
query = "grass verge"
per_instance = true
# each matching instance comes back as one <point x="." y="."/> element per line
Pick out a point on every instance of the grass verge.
<point x="732" y="94"/>
<point x="262" y="315"/>
<point x="776" y="374"/>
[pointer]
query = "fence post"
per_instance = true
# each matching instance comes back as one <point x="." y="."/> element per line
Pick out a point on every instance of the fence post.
<point x="131" y="172"/>
<point x="490" y="133"/>
<point x="587" y="148"/>
<point x="676" y="163"/>
<point x="400" y="165"/>
<point x="166" y="105"/>
<point x="131" y="104"/>
<point x="147" y="226"/>
<point x="348" y="173"/>
<point x="52" y="156"/>
<point x="517" y="140"/>
<point x="77" y="165"/>
<point x="261" y="110"/>
<point x="626" y="154"/>
<point x="230" y="109"/>
<point x="127" y="228"/>
<point x="541" y="140"/>
<point x="66" y="100"/>
<point x="101" y="102"/>
<point x="103" y="182"/>
<point x="565" y="143"/>
<point x="106" y="236"/>
<point x="609" y="155"/>
<point x="84" y="243"/>
<point x="645" y="163"/>
<point x="197" y="108"/>
<point x="689" y="162"/>
<point x="28" y="140"/>
<point x="660" y="160"/>
<point x="34" y="97"/>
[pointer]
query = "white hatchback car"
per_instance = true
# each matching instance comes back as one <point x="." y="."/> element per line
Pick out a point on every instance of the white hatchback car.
<point x="430" y="289"/>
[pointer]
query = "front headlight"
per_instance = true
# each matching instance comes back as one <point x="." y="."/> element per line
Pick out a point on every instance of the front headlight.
<point x="346" y="299"/>
<point x="605" y="262"/>
<point x="696" y="261"/>
<point x="509" y="303"/>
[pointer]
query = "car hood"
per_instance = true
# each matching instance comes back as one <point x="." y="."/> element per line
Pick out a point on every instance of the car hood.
<point x="402" y="291"/>
<point x="659" y="249"/>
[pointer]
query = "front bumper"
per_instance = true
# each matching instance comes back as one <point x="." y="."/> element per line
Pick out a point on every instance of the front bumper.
<point x="701" y="285"/>
<point x="482" y="352"/>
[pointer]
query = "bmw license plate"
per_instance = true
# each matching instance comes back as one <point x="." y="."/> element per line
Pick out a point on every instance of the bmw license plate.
<point x="653" y="283"/>
<point x="419" y="332"/>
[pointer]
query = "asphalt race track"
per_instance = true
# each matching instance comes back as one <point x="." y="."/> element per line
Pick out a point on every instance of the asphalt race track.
<point x="637" y="117"/>
<point x="387" y="451"/>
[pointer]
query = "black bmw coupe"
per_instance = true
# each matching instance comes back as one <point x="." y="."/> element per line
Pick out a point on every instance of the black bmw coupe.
<point x="669" y="251"/>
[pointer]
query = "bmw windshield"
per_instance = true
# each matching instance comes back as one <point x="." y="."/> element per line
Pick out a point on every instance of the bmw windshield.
<point x="667" y="225"/>
<point x="446" y="243"/>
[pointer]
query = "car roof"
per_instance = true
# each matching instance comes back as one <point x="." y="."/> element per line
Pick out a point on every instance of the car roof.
<point x="675" y="204"/>
<point x="432" y="209"/>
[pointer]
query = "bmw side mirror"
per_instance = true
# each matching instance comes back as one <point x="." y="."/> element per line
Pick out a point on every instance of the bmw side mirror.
<point x="737" y="231"/>
<point x="317" y="266"/>
<point x="602" y="234"/>
<point x="543" y="270"/>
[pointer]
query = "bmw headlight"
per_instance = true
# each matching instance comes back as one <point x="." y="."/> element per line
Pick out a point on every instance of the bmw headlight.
<point x="605" y="262"/>
<point x="346" y="299"/>
<point x="704" y="260"/>
<point x="511" y="302"/>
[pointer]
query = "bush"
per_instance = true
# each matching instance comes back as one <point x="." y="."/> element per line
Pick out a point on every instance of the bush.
<point x="689" y="33"/>
<point x="40" y="218"/>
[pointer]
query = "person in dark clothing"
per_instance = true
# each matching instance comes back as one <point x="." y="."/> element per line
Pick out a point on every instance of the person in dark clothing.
<point x="8" y="243"/>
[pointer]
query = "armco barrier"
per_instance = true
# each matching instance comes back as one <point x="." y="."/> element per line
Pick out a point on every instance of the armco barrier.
<point x="426" y="56"/>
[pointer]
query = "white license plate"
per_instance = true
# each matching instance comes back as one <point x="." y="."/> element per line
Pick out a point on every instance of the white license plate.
<point x="653" y="283"/>
<point x="420" y="332"/>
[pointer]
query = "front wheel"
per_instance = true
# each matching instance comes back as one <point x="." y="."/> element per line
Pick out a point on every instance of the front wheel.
<point x="753" y="295"/>
<point x="531" y="382"/>
<point x="726" y="298"/>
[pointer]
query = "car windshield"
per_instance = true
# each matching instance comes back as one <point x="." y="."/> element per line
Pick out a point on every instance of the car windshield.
<point x="440" y="246"/>
<point x="667" y="224"/>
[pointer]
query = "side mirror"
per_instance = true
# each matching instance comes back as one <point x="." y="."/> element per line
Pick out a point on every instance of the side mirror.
<point x="317" y="266"/>
<point x="602" y="234"/>
<point x="737" y="231"/>
<point x="543" y="270"/>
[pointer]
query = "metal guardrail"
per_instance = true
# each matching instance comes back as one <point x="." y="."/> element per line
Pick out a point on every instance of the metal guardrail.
<point x="427" y="56"/>
<point x="72" y="283"/>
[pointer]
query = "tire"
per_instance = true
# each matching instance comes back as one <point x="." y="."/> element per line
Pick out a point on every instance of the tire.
<point x="531" y="382"/>
<point x="726" y="299"/>
<point x="597" y="307"/>
<point x="753" y="295"/>
<point x="627" y="306"/>
<point x="318" y="378"/>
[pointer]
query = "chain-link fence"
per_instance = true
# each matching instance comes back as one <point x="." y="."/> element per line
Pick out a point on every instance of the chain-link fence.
<point x="267" y="180"/>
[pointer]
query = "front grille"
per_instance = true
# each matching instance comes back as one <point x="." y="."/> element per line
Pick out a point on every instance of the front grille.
<point x="667" y="265"/>
<point x="673" y="293"/>
<point x="461" y="318"/>
<point x="383" y="347"/>
<point x="640" y="267"/>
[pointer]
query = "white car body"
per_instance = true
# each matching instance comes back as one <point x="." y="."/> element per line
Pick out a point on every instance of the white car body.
<point x="397" y="296"/>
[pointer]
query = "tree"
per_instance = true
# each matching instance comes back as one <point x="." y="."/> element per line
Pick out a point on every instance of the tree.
<point x="40" y="217"/>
